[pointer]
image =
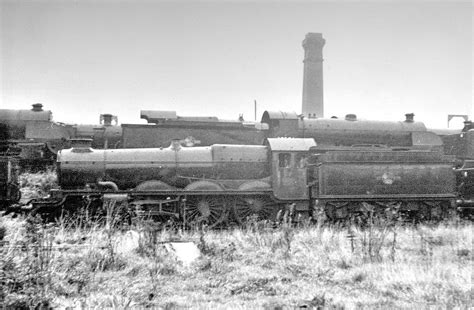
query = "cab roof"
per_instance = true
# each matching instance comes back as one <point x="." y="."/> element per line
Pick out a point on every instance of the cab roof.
<point x="290" y="144"/>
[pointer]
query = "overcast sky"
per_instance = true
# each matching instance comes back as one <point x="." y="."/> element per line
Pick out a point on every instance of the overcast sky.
<point x="381" y="59"/>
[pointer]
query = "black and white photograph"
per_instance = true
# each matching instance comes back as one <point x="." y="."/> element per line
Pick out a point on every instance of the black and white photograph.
<point x="253" y="154"/>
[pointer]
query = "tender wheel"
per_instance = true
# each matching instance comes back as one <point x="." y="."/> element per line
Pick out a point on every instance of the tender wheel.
<point x="205" y="209"/>
<point x="260" y="207"/>
<point x="337" y="210"/>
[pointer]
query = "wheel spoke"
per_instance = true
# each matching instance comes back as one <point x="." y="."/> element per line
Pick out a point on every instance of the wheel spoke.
<point x="259" y="206"/>
<point x="205" y="209"/>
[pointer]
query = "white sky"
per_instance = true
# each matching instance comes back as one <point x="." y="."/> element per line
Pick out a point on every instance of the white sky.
<point x="381" y="59"/>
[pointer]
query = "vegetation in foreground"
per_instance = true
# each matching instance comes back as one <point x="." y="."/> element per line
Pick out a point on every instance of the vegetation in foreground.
<point x="253" y="267"/>
<point x="105" y="264"/>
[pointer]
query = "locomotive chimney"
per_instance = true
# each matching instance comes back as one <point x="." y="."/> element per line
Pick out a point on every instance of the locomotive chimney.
<point x="409" y="118"/>
<point x="313" y="100"/>
<point x="107" y="119"/>
<point x="467" y="126"/>
<point x="350" y="117"/>
<point x="37" y="107"/>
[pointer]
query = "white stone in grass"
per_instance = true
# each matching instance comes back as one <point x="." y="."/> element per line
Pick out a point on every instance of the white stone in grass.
<point x="128" y="242"/>
<point x="185" y="252"/>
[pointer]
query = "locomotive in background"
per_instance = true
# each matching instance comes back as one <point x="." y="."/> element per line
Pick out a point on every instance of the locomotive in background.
<point x="35" y="129"/>
<point x="39" y="138"/>
<point x="163" y="126"/>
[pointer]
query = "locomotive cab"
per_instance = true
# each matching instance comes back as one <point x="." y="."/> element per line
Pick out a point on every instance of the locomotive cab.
<point x="289" y="171"/>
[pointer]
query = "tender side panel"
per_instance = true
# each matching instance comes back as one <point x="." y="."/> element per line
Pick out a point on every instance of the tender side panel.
<point x="383" y="174"/>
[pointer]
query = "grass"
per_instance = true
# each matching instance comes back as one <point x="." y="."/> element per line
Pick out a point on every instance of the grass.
<point x="240" y="268"/>
<point x="386" y="265"/>
<point x="37" y="185"/>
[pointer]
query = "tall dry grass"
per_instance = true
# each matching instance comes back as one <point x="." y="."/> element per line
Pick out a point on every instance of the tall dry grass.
<point x="37" y="185"/>
<point x="99" y="266"/>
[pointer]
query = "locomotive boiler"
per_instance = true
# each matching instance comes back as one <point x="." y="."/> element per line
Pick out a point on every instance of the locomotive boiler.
<point x="175" y="166"/>
<point x="352" y="131"/>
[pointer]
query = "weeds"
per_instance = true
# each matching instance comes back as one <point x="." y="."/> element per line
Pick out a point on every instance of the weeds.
<point x="26" y="267"/>
<point x="37" y="185"/>
<point x="372" y="238"/>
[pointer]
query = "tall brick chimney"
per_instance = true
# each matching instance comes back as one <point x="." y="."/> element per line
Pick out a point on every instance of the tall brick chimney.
<point x="313" y="100"/>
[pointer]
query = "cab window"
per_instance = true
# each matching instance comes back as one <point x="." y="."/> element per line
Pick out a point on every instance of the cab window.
<point x="301" y="160"/>
<point x="284" y="160"/>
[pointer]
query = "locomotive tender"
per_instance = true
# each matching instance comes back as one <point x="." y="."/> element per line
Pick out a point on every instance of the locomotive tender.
<point x="203" y="184"/>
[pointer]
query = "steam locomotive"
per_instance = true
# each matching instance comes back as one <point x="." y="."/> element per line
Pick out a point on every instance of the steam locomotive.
<point x="39" y="138"/>
<point x="212" y="183"/>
